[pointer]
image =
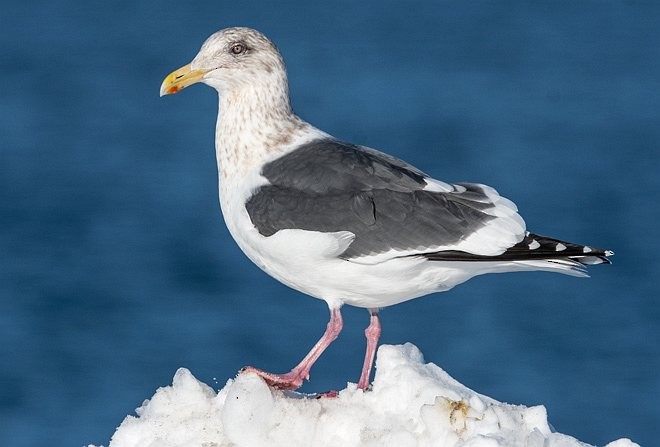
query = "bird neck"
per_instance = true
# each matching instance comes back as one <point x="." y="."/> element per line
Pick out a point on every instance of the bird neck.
<point x="253" y="124"/>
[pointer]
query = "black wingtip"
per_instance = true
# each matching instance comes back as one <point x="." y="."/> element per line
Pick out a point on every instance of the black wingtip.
<point x="535" y="247"/>
<point x="597" y="257"/>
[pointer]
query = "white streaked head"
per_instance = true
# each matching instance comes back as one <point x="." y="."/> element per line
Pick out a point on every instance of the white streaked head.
<point x="232" y="59"/>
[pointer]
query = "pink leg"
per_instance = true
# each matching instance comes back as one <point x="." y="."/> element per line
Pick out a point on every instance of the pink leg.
<point x="372" y="332"/>
<point x="293" y="379"/>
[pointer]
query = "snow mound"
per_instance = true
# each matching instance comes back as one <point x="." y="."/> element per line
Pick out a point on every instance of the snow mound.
<point x="411" y="404"/>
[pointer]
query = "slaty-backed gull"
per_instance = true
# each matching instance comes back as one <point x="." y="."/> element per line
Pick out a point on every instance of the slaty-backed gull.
<point x="342" y="222"/>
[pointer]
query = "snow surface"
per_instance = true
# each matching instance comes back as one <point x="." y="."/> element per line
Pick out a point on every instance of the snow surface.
<point x="411" y="404"/>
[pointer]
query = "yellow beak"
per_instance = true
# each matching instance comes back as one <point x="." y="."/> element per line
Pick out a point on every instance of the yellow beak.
<point x="180" y="79"/>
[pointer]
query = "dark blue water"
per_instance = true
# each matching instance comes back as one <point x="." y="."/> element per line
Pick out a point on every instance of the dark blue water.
<point x="116" y="268"/>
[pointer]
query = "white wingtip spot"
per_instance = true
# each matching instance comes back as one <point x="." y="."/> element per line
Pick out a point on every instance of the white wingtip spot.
<point x="534" y="245"/>
<point x="609" y="253"/>
<point x="560" y="247"/>
<point x="587" y="250"/>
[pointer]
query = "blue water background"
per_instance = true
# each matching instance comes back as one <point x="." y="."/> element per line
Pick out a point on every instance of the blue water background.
<point x="116" y="267"/>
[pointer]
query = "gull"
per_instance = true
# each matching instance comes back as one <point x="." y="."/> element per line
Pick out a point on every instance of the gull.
<point x="342" y="222"/>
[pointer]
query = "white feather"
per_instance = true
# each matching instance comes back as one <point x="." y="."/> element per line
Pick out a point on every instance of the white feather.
<point x="438" y="186"/>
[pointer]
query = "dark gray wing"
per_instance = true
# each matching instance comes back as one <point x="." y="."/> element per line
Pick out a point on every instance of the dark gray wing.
<point x="330" y="186"/>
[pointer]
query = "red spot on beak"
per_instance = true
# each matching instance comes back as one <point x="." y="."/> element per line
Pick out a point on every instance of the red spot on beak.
<point x="173" y="89"/>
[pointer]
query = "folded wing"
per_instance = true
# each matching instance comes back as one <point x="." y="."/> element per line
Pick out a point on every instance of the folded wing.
<point x="391" y="207"/>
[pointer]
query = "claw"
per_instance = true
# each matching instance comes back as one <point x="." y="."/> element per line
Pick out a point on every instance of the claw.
<point x="289" y="381"/>
<point x="332" y="394"/>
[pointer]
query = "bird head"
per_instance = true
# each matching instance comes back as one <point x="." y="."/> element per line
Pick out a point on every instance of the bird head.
<point x="230" y="59"/>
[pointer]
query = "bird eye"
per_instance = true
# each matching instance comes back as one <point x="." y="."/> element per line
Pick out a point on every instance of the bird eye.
<point x="237" y="48"/>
